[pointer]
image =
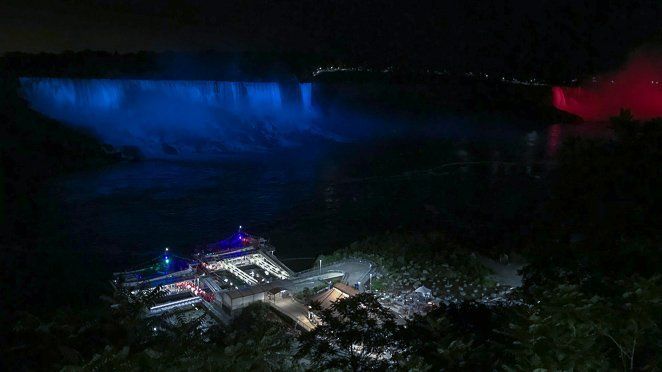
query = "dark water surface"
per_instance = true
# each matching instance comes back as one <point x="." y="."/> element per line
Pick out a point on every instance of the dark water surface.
<point x="307" y="200"/>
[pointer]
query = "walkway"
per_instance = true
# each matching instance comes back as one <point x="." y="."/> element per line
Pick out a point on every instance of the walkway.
<point x="295" y="311"/>
<point x="355" y="271"/>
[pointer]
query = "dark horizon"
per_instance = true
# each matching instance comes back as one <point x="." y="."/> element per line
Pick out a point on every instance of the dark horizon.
<point x="407" y="185"/>
<point x="552" y="37"/>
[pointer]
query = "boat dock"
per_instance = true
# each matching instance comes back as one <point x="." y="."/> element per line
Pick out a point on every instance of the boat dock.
<point x="227" y="276"/>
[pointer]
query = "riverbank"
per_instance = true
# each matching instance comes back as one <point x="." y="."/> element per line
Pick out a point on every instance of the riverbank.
<point x="33" y="151"/>
<point x="405" y="262"/>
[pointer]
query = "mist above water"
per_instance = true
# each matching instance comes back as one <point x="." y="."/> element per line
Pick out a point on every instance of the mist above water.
<point x="637" y="87"/>
<point x="182" y="116"/>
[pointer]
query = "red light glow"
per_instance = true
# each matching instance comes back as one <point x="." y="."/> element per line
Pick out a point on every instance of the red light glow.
<point x="638" y="87"/>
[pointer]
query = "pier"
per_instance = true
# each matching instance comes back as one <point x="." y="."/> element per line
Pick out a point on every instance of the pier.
<point x="231" y="274"/>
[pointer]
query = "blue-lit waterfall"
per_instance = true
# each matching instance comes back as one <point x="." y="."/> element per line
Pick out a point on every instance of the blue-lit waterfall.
<point x="190" y="116"/>
<point x="307" y="96"/>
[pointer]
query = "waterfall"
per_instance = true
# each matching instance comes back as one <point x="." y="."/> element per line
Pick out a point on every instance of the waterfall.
<point x="98" y="94"/>
<point x="263" y="96"/>
<point x="106" y="93"/>
<point x="307" y="96"/>
<point x="151" y="112"/>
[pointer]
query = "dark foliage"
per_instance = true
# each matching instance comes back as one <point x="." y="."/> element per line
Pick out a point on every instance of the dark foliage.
<point x="458" y="336"/>
<point x="602" y="220"/>
<point x="123" y="339"/>
<point x="33" y="150"/>
<point x="357" y="334"/>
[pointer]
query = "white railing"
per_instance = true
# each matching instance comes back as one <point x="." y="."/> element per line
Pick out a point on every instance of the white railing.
<point x="260" y="261"/>
<point x="240" y="274"/>
<point x="172" y="305"/>
<point x="328" y="267"/>
<point x="233" y="269"/>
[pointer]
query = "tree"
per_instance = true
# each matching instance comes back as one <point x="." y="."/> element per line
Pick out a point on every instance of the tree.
<point x="355" y="333"/>
<point x="257" y="340"/>
<point x="602" y="220"/>
<point x="457" y="337"/>
<point x="570" y="330"/>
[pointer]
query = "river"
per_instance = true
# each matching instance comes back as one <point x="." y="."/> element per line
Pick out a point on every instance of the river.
<point x="477" y="177"/>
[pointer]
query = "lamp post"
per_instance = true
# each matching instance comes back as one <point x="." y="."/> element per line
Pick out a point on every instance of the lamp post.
<point x="320" y="267"/>
<point x="370" y="282"/>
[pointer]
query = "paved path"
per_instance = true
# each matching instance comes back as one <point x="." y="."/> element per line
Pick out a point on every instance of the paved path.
<point x="295" y="311"/>
<point x="312" y="282"/>
<point x="351" y="270"/>
<point x="355" y="270"/>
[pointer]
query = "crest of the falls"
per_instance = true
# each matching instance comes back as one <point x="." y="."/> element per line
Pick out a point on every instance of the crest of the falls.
<point x="191" y="116"/>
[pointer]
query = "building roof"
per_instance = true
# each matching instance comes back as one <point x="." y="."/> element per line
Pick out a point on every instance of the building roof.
<point x="236" y="241"/>
<point x="175" y="278"/>
<point x="350" y="291"/>
<point x="163" y="266"/>
<point x="250" y="291"/>
<point x="337" y="292"/>
<point x="238" y="244"/>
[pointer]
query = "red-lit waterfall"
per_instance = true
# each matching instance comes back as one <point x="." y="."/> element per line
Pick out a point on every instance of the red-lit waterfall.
<point x="638" y="87"/>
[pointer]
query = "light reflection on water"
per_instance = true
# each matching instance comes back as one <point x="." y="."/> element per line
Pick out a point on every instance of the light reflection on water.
<point x="144" y="206"/>
<point x="122" y="215"/>
<point x="556" y="133"/>
<point x="147" y="205"/>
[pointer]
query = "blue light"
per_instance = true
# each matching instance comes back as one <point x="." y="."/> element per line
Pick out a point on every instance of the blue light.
<point x="306" y="96"/>
<point x="167" y="260"/>
<point x="187" y="114"/>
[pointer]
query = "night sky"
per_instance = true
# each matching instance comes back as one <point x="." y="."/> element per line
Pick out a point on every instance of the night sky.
<point x="486" y="35"/>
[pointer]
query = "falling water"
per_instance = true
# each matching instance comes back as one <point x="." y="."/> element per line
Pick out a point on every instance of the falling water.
<point x="231" y="115"/>
<point x="307" y="96"/>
